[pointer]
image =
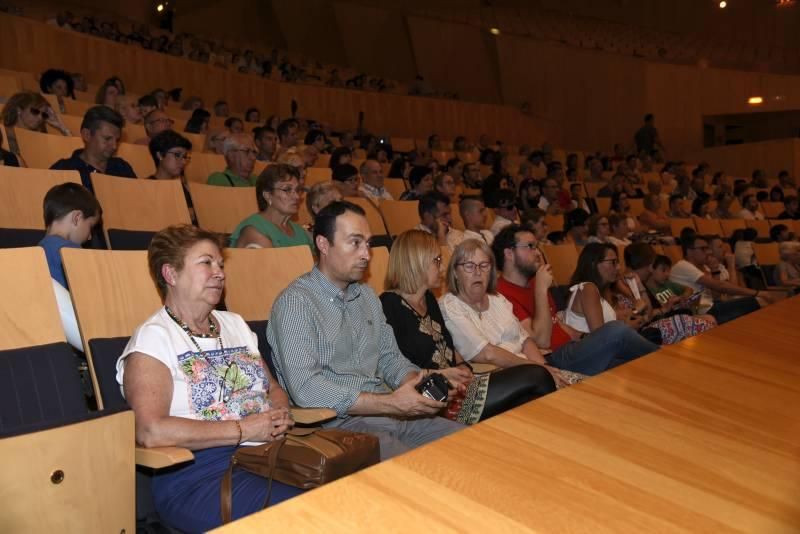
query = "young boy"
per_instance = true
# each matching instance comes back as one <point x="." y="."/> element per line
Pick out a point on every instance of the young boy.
<point x="70" y="213"/>
<point x="667" y="293"/>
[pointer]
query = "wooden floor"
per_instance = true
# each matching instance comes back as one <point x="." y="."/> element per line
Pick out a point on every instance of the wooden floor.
<point x="702" y="437"/>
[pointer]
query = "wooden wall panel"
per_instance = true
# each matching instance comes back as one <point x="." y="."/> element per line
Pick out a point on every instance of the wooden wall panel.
<point x="741" y="160"/>
<point x="310" y="28"/>
<point x="454" y="57"/>
<point x="375" y="41"/>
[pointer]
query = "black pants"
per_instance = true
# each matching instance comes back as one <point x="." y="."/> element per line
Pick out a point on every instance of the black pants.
<point x="733" y="309"/>
<point x="509" y="388"/>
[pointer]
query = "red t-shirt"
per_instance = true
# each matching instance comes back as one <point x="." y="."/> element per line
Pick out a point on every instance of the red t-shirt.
<point x="523" y="300"/>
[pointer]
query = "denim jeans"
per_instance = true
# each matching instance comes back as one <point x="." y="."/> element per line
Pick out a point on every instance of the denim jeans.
<point x="728" y="310"/>
<point x="612" y="344"/>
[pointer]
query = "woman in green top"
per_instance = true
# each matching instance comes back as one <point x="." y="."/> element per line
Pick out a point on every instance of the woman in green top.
<point x="278" y="196"/>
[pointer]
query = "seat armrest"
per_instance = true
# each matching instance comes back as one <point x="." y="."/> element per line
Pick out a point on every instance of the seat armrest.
<point x="312" y="416"/>
<point x="160" y="457"/>
<point x="479" y="368"/>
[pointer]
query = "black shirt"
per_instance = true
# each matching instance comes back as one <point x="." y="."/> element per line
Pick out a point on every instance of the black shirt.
<point x="425" y="341"/>
<point x="115" y="167"/>
<point x="785" y="215"/>
<point x="9" y="159"/>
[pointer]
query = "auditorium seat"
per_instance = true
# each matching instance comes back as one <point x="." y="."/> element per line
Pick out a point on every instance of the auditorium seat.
<point x="761" y="226"/>
<point x="555" y="222"/>
<point x="139" y="208"/>
<point x="400" y="215"/>
<point x="673" y="252"/>
<point x="203" y="165"/>
<point x="395" y="186"/>
<point x="64" y="468"/>
<point x="772" y="210"/>
<point x="315" y="175"/>
<point x="138" y="156"/>
<point x="255" y="277"/>
<point x="708" y="226"/>
<point x="563" y="259"/>
<point x="375" y="277"/>
<point x="677" y="225"/>
<point x="41" y="150"/>
<point x="221" y="209"/>
<point x="23" y="194"/>
<point x="376" y="223"/>
<point x="731" y="225"/>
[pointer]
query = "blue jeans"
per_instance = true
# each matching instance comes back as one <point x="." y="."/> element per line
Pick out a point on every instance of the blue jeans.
<point x="612" y="344"/>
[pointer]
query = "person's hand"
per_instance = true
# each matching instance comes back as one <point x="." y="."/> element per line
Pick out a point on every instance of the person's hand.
<point x="442" y="227"/>
<point x="770" y="297"/>
<point x="557" y="376"/>
<point x="458" y="376"/>
<point x="54" y="120"/>
<point x="673" y="302"/>
<point x="266" y="426"/>
<point x="544" y="278"/>
<point x="408" y="402"/>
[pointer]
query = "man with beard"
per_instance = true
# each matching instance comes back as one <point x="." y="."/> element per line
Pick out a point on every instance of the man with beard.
<point x="525" y="282"/>
<point x="334" y="349"/>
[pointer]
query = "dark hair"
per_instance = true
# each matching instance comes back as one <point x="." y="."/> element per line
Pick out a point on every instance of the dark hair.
<point x="258" y="131"/>
<point x="249" y="111"/>
<point x="501" y="198"/>
<point x="531" y="216"/>
<point x="62" y="199"/>
<point x="163" y="141"/>
<point x="169" y="246"/>
<point x="335" y="155"/>
<point x="689" y="237"/>
<point x="586" y="269"/>
<point x="616" y="201"/>
<point x="699" y="202"/>
<point x="195" y="123"/>
<point x="776" y="189"/>
<point x="576" y="217"/>
<point x="272" y="176"/>
<point x="312" y="136"/>
<point x="230" y="121"/>
<point x="789" y="199"/>
<point x="417" y="174"/>
<point x="660" y="261"/>
<point x="325" y="222"/>
<point x="218" y="103"/>
<point x="648" y="117"/>
<point x="762" y="196"/>
<point x="429" y="201"/>
<point x="745" y="199"/>
<point x="776" y="230"/>
<point x="506" y="238"/>
<point x="283" y="127"/>
<point x="639" y="255"/>
<point x="148" y="100"/>
<point x="99" y="114"/>
<point x="51" y="76"/>
<point x="344" y="172"/>
<point x="451" y="163"/>
<point x="673" y="198"/>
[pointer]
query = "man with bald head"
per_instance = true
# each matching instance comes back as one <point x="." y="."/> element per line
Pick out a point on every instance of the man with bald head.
<point x="240" y="157"/>
<point x="372" y="181"/>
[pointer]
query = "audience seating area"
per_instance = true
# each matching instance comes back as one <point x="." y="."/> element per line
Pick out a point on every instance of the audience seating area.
<point x="112" y="293"/>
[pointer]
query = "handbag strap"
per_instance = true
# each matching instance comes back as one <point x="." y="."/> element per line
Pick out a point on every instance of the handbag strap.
<point x="226" y="490"/>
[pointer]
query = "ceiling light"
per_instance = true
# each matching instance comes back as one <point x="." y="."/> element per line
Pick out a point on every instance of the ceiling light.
<point x="755" y="100"/>
<point x="160" y="8"/>
<point x="723" y="4"/>
<point x="494" y="31"/>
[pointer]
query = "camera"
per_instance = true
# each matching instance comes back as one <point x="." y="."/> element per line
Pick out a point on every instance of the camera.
<point x="434" y="387"/>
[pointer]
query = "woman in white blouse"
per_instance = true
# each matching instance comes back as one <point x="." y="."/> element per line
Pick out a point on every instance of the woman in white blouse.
<point x="482" y="322"/>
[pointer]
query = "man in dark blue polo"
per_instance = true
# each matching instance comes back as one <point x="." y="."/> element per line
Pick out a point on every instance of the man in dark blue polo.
<point x="100" y="130"/>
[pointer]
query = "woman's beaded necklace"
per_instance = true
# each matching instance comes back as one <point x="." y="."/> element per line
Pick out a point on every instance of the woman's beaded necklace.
<point x="213" y="333"/>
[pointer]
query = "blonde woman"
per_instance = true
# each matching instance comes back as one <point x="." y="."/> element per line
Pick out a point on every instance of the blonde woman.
<point x="415" y="269"/>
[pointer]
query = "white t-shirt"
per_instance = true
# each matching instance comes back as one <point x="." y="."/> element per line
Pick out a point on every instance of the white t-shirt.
<point x="203" y="381"/>
<point x="472" y="331"/>
<point x="455" y="237"/>
<point x="498" y="224"/>
<point x="687" y="274"/>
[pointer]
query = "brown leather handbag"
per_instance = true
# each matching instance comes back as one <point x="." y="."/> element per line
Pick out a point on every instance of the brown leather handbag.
<point x="306" y="458"/>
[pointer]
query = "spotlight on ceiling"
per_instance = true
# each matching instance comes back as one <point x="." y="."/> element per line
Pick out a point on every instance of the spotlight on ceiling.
<point x="494" y="31"/>
<point x="755" y="100"/>
<point x="160" y="8"/>
<point x="723" y="4"/>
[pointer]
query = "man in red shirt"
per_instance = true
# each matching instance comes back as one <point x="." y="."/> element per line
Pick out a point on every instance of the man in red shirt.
<point x="525" y="282"/>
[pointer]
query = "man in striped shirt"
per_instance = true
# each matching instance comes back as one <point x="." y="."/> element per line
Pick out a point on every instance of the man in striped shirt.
<point x="334" y="349"/>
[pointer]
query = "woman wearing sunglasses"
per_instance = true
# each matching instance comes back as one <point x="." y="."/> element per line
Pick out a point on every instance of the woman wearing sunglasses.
<point x="482" y="321"/>
<point x="414" y="272"/>
<point x="29" y="111"/>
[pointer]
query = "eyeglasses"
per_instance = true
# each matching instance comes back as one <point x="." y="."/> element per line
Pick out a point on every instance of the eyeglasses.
<point x="246" y="151"/>
<point x="181" y="156"/>
<point x="529" y="246"/>
<point x="289" y="190"/>
<point x="438" y="261"/>
<point x="36" y="112"/>
<point x="470" y="266"/>
<point x="225" y="392"/>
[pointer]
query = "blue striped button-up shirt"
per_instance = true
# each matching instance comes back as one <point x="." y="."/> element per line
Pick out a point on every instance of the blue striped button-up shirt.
<point x="303" y="331"/>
